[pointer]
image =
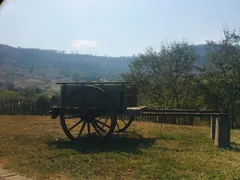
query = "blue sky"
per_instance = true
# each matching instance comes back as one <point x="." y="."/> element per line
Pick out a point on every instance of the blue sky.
<point x="113" y="27"/>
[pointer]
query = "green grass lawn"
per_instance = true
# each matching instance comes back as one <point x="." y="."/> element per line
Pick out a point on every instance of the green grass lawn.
<point x="37" y="148"/>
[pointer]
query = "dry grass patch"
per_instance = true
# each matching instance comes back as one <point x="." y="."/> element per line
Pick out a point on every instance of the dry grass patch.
<point x="37" y="147"/>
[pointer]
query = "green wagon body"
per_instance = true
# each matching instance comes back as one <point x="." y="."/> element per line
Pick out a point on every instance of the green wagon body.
<point x="122" y="95"/>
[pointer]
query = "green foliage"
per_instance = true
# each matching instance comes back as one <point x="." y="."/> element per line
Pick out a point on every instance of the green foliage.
<point x="28" y="93"/>
<point x="37" y="90"/>
<point x="169" y="78"/>
<point x="223" y="73"/>
<point x="166" y="77"/>
<point x="7" y="94"/>
<point x="43" y="102"/>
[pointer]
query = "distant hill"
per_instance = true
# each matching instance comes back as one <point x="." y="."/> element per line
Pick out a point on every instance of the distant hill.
<point x="20" y="63"/>
<point x="44" y="67"/>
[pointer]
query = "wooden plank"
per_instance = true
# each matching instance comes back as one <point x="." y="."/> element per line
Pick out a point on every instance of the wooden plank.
<point x="14" y="107"/>
<point x="22" y="107"/>
<point x="136" y="108"/>
<point x="181" y="110"/>
<point x="10" y="111"/>
<point x="182" y="114"/>
<point x="33" y="108"/>
<point x="82" y="83"/>
<point x="17" y="177"/>
<point x="1" y="106"/>
<point x="7" y="174"/>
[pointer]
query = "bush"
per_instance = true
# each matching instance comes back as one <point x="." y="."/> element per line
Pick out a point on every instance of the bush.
<point x="43" y="102"/>
<point x="55" y="100"/>
<point x="37" y="90"/>
<point x="28" y="93"/>
<point x="6" y="94"/>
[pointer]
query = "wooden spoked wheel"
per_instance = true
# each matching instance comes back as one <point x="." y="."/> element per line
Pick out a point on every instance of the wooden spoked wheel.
<point x="88" y="111"/>
<point x="123" y="122"/>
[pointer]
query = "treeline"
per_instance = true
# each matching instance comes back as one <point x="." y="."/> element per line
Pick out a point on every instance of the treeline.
<point x="171" y="79"/>
<point x="9" y="95"/>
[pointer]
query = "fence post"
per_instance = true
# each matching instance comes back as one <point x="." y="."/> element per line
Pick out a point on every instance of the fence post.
<point x="22" y="107"/>
<point x="213" y="127"/>
<point x="131" y="118"/>
<point x="222" y="131"/>
<point x="1" y="108"/>
<point x="191" y="120"/>
<point x="10" y="107"/>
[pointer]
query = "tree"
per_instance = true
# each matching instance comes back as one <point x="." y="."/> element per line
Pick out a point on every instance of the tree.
<point x="43" y="102"/>
<point x="37" y="90"/>
<point x="55" y="100"/>
<point x="28" y="93"/>
<point x="164" y="78"/>
<point x="223" y="72"/>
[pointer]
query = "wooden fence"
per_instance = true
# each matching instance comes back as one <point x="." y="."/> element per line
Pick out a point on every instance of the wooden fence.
<point x="24" y="107"/>
<point x="21" y="107"/>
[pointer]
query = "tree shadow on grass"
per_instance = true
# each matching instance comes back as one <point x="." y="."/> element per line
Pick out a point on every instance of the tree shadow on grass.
<point x="123" y="143"/>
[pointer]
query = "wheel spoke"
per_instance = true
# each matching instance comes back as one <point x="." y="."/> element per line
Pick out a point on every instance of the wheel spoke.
<point x="81" y="130"/>
<point x="75" y="125"/>
<point x="123" y="126"/>
<point x="102" y="123"/>
<point x="105" y="122"/>
<point x="94" y="126"/>
<point x="100" y="118"/>
<point x="88" y="127"/>
<point x="98" y="127"/>
<point x="123" y="121"/>
<point x="117" y="125"/>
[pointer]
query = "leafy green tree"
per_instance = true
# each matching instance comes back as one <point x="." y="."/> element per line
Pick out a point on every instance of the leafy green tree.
<point x="165" y="77"/>
<point x="43" y="102"/>
<point x="28" y="93"/>
<point x="223" y="73"/>
<point x="55" y="100"/>
<point x="37" y="90"/>
<point x="7" y="94"/>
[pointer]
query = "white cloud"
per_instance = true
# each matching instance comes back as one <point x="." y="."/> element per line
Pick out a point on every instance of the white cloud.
<point x="83" y="43"/>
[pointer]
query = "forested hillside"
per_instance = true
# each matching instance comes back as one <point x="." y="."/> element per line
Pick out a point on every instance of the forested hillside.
<point x="19" y="63"/>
